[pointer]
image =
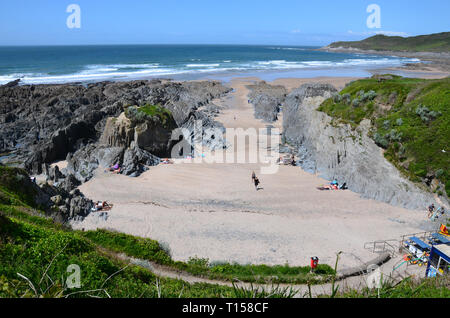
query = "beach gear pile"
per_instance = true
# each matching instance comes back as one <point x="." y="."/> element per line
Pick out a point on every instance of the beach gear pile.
<point x="166" y="161"/>
<point x="102" y="206"/>
<point x="114" y="169"/>
<point x="334" y="185"/>
<point x="434" y="214"/>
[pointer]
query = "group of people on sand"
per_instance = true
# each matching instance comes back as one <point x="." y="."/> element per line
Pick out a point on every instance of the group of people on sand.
<point x="434" y="213"/>
<point x="101" y="206"/>
<point x="334" y="185"/>
<point x="287" y="161"/>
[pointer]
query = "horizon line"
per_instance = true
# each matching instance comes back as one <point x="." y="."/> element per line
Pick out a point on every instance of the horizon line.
<point x="167" y="44"/>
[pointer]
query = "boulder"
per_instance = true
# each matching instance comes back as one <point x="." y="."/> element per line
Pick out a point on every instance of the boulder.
<point x="136" y="159"/>
<point x="267" y="100"/>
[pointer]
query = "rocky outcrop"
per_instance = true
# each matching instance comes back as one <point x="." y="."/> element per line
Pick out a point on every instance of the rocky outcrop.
<point x="49" y="196"/>
<point x="267" y="100"/>
<point x="339" y="152"/>
<point x="83" y="163"/>
<point x="43" y="123"/>
<point x="136" y="160"/>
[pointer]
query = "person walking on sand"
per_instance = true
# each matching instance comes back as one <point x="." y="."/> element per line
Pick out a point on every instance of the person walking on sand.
<point x="253" y="176"/>
<point x="256" y="180"/>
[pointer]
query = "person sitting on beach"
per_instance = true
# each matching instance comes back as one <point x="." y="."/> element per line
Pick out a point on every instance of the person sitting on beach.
<point x="99" y="205"/>
<point x="114" y="167"/>
<point x="431" y="210"/>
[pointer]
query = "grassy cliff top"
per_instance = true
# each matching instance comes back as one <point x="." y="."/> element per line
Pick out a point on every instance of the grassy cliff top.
<point x="410" y="119"/>
<point x="155" y="113"/>
<point x="438" y="42"/>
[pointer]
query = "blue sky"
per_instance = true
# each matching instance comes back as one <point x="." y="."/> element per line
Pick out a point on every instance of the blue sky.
<point x="288" y="22"/>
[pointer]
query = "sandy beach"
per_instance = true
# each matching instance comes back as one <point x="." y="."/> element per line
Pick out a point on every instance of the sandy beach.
<point x="213" y="210"/>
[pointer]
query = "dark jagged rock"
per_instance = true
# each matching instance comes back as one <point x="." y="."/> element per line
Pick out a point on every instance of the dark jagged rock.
<point x="136" y="159"/>
<point x="12" y="83"/>
<point x="43" y="123"/>
<point x="55" y="201"/>
<point x="267" y="100"/>
<point x="69" y="183"/>
<point x="83" y="163"/>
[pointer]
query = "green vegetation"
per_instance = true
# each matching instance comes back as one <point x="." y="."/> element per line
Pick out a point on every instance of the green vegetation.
<point x="437" y="287"/>
<point x="41" y="253"/>
<point x="410" y="120"/>
<point x="12" y="179"/>
<point x="147" y="112"/>
<point x="438" y="42"/>
<point x="150" y="250"/>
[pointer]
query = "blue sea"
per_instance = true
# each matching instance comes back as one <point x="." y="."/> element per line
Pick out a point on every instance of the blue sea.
<point x="62" y="64"/>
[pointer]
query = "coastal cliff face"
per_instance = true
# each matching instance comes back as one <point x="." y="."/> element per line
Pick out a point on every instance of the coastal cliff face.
<point x="339" y="152"/>
<point x="44" y="123"/>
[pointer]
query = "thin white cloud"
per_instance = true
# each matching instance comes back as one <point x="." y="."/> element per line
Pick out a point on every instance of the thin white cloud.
<point x="295" y="31"/>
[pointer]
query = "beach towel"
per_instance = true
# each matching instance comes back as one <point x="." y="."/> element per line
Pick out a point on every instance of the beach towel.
<point x="443" y="229"/>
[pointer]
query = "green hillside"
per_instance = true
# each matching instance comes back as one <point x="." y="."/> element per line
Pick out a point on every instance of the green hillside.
<point x="411" y="121"/>
<point x="438" y="42"/>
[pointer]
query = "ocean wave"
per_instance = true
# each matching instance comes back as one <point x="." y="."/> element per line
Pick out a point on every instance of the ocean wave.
<point x="288" y="48"/>
<point x="202" y="65"/>
<point x="98" y="72"/>
<point x="87" y="76"/>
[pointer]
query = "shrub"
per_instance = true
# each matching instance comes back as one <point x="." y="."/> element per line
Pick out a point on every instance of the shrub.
<point x="366" y="96"/>
<point x="346" y="98"/>
<point x="381" y="141"/>
<point x="337" y="98"/>
<point x="399" y="122"/>
<point x="200" y="262"/>
<point x="355" y="102"/>
<point x="426" y="115"/>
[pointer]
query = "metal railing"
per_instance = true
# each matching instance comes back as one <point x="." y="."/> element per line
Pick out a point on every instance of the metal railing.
<point x="382" y="246"/>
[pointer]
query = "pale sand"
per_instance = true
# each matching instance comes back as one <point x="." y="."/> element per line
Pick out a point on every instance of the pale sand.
<point x="213" y="210"/>
<point x="60" y="164"/>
